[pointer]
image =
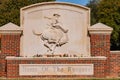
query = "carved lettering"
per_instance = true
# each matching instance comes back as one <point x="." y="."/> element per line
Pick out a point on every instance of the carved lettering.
<point x="56" y="69"/>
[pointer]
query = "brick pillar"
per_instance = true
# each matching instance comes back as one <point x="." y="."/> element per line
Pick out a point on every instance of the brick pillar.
<point x="100" y="39"/>
<point x="10" y="44"/>
<point x="100" y="42"/>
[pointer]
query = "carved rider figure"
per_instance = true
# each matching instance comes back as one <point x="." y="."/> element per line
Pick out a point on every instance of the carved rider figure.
<point x="55" y="23"/>
<point x="55" y="35"/>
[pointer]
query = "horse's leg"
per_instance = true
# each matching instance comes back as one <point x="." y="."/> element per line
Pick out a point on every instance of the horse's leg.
<point x="47" y="46"/>
<point x="53" y="48"/>
<point x="55" y="45"/>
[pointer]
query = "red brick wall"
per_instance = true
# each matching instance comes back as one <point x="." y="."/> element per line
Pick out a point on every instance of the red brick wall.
<point x="100" y="45"/>
<point x="13" y="67"/>
<point x="10" y="46"/>
<point x="2" y="67"/>
<point x="115" y="64"/>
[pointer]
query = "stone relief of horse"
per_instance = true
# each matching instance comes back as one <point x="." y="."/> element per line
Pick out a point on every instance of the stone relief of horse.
<point x="54" y="36"/>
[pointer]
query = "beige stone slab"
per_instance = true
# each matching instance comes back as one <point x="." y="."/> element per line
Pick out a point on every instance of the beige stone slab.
<point x="56" y="69"/>
<point x="73" y="18"/>
<point x="56" y="58"/>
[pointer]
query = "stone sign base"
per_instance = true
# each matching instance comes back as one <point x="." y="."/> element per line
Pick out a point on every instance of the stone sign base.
<point x="26" y="67"/>
<point x="81" y="50"/>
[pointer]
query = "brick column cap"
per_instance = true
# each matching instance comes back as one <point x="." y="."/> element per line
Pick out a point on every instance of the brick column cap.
<point x="10" y="28"/>
<point x="100" y="28"/>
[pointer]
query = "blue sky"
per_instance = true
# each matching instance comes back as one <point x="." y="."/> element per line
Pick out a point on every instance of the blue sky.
<point x="81" y="2"/>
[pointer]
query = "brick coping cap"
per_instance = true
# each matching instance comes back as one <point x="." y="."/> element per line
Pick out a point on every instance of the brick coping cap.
<point x="56" y="58"/>
<point x="115" y="52"/>
<point x="100" y="28"/>
<point x="10" y="28"/>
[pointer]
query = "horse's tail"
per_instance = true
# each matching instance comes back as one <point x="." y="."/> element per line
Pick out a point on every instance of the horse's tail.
<point x="38" y="34"/>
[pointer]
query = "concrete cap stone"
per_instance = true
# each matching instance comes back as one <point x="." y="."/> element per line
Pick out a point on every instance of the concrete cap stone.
<point x="100" y="28"/>
<point x="10" y="28"/>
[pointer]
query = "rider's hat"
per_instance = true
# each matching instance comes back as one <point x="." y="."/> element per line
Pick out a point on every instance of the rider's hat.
<point x="56" y="15"/>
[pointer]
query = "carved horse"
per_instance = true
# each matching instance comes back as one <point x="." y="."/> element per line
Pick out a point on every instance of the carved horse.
<point x="53" y="38"/>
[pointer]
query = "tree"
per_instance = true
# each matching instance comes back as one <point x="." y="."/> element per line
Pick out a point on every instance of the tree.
<point x="108" y="12"/>
<point x="10" y="10"/>
<point x="93" y="4"/>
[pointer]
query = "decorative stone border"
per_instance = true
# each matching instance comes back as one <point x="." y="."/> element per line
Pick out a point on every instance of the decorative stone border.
<point x="56" y="58"/>
<point x="115" y="52"/>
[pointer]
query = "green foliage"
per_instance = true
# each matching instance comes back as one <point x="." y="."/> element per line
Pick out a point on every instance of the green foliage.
<point x="93" y="4"/>
<point x="10" y="10"/>
<point x="107" y="12"/>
